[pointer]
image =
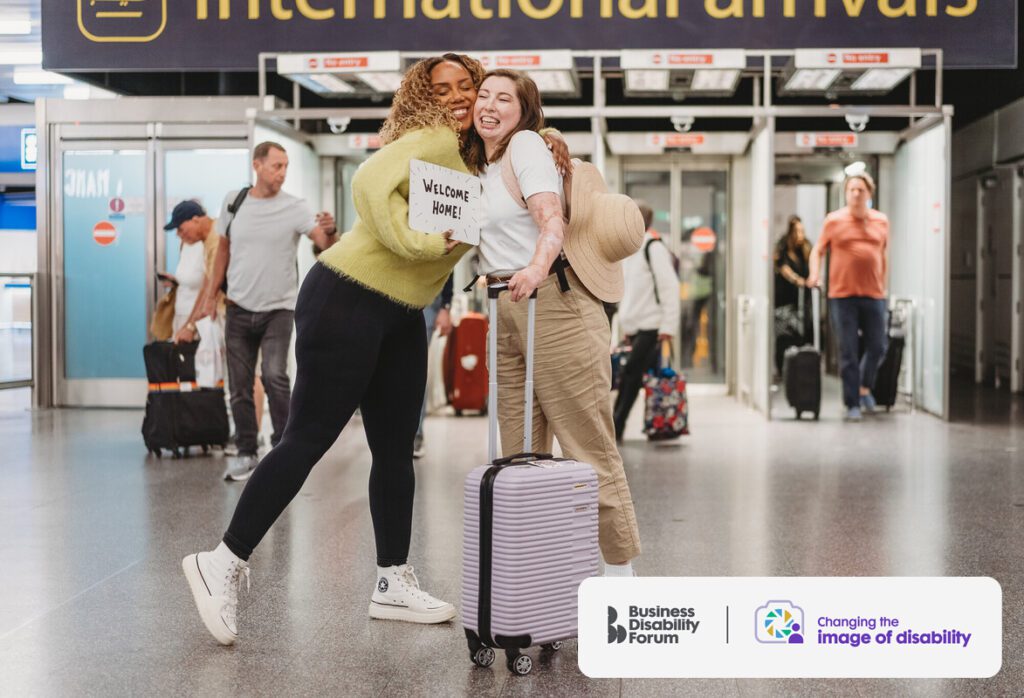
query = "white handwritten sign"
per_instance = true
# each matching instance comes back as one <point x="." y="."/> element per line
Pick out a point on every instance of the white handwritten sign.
<point x="441" y="199"/>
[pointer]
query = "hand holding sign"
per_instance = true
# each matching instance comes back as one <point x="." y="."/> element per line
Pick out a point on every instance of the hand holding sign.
<point x="444" y="201"/>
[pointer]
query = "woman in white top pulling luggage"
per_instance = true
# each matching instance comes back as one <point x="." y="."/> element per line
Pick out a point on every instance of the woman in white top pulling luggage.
<point x="523" y="243"/>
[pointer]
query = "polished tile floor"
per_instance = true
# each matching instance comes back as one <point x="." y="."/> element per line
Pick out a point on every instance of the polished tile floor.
<point x="92" y="531"/>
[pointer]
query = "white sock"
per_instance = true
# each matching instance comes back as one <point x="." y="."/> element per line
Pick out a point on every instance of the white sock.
<point x="624" y="570"/>
<point x="221" y="556"/>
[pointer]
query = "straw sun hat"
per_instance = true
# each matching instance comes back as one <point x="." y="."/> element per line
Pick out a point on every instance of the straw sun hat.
<point x="604" y="229"/>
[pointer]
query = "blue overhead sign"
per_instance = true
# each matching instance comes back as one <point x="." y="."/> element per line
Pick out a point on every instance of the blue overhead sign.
<point x="228" y="34"/>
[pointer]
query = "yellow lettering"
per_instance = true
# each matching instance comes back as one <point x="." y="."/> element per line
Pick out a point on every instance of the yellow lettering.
<point x="735" y="9"/>
<point x="931" y="8"/>
<point x="908" y="8"/>
<point x="968" y="8"/>
<point x="477" y="9"/>
<point x="409" y="9"/>
<point x="606" y="8"/>
<point x="533" y="13"/>
<point x="278" y="10"/>
<point x="380" y="10"/>
<point x="819" y="8"/>
<point x="789" y="8"/>
<point x="202" y="9"/>
<point x="576" y="9"/>
<point x="650" y="9"/>
<point x="853" y="7"/>
<point x="672" y="8"/>
<point x="430" y="10"/>
<point x="310" y="12"/>
<point x="504" y="9"/>
<point x="758" y="9"/>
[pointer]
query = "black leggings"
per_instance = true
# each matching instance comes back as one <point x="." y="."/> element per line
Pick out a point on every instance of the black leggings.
<point x="354" y="347"/>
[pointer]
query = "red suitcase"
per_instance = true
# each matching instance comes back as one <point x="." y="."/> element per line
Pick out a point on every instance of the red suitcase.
<point x="465" y="364"/>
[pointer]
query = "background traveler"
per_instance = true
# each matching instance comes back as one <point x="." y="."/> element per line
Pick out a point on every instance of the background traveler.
<point x="258" y="256"/>
<point x="858" y="237"/>
<point x="648" y="313"/>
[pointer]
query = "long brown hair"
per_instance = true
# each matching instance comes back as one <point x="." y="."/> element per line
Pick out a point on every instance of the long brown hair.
<point x="415" y="106"/>
<point x="787" y="242"/>
<point x="532" y="119"/>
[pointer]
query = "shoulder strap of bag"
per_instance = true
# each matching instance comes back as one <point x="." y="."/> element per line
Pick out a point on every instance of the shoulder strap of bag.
<point x="233" y="208"/>
<point x="508" y="176"/>
<point x="647" y="256"/>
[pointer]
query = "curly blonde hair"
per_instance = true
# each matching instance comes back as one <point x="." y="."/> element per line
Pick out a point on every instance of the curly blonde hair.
<point x="415" y="106"/>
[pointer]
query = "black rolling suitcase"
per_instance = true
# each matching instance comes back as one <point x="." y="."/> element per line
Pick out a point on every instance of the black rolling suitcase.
<point x="801" y="369"/>
<point x="888" y="378"/>
<point x="179" y="413"/>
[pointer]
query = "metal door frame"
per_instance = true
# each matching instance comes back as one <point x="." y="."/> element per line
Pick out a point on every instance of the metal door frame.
<point x="105" y="137"/>
<point x="71" y="392"/>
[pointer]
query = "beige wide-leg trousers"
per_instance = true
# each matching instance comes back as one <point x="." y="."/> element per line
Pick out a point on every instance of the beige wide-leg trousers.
<point x="572" y="375"/>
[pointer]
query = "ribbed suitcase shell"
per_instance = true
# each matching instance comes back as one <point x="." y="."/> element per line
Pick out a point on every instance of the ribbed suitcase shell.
<point x="543" y="542"/>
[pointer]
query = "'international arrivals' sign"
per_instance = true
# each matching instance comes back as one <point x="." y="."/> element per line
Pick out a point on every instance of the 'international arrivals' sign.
<point x="229" y="34"/>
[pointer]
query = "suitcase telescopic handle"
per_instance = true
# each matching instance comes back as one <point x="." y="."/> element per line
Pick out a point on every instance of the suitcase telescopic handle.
<point x="493" y="291"/>
<point x="816" y="317"/>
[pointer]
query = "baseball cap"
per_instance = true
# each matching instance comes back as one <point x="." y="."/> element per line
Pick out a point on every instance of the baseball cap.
<point x="185" y="211"/>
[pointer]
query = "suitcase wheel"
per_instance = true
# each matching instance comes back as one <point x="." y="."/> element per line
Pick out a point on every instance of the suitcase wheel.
<point x="206" y="449"/>
<point x="176" y="452"/>
<point x="458" y="412"/>
<point x="815" y="416"/>
<point x="798" y="413"/>
<point x="519" y="664"/>
<point x="483" y="657"/>
<point x="552" y="646"/>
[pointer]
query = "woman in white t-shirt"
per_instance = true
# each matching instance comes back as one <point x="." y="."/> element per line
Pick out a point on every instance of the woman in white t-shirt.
<point x="521" y="243"/>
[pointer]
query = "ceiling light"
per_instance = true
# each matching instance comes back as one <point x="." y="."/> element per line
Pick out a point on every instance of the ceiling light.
<point x="325" y="83"/>
<point x="10" y="55"/>
<point x="15" y="26"/>
<point x="38" y="76"/>
<point x="83" y="91"/>
<point x="880" y="79"/>
<point x="553" y="81"/>
<point x="714" y="80"/>
<point x="813" y="80"/>
<point x="647" y="80"/>
<point x="382" y="82"/>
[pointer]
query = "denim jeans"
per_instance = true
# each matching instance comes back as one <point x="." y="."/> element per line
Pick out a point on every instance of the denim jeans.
<point x="246" y="334"/>
<point x="852" y="317"/>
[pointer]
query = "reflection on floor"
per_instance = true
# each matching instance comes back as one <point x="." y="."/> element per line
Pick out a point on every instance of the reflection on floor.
<point x="92" y="600"/>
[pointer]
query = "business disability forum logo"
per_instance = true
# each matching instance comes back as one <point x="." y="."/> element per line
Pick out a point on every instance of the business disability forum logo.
<point x="779" y="623"/>
<point x="651" y="625"/>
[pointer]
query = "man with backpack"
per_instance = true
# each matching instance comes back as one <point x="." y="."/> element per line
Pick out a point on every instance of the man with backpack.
<point x="648" y="313"/>
<point x="258" y="257"/>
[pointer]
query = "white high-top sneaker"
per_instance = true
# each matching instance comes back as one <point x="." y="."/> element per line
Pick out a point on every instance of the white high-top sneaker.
<point x="398" y="597"/>
<point x="215" y="581"/>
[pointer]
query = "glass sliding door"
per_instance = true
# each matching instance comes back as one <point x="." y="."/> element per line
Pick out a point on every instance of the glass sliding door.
<point x="690" y="213"/>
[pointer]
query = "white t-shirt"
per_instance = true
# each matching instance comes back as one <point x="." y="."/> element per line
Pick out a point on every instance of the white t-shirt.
<point x="190" y="272"/>
<point x="508" y="238"/>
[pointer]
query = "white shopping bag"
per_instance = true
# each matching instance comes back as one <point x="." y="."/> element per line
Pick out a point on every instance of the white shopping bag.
<point x="210" y="356"/>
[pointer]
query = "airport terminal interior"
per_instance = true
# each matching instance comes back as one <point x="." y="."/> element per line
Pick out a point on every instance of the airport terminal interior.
<point x="106" y="127"/>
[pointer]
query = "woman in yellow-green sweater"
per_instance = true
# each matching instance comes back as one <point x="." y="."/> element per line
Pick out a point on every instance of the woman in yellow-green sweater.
<point x="360" y="343"/>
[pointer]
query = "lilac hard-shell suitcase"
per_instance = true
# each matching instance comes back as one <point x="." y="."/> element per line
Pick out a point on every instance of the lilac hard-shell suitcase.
<point x="529" y="537"/>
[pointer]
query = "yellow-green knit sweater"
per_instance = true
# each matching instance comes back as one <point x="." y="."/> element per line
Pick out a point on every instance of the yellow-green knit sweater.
<point x="381" y="251"/>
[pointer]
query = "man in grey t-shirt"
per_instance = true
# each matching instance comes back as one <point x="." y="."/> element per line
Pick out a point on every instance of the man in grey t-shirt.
<point x="258" y="256"/>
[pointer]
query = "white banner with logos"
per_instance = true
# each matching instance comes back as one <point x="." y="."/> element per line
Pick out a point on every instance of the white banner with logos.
<point x="790" y="627"/>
